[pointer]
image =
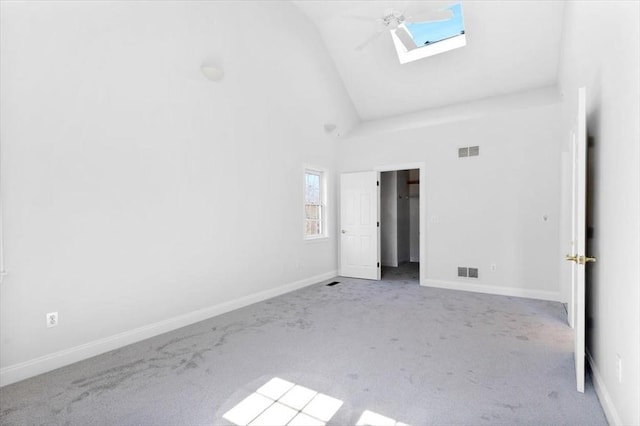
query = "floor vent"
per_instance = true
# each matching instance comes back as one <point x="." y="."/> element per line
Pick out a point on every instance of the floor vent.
<point x="331" y="284"/>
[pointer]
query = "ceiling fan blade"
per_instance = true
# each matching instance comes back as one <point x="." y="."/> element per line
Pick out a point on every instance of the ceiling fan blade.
<point x="371" y="39"/>
<point x="406" y="38"/>
<point x="430" y="15"/>
<point x="361" y="18"/>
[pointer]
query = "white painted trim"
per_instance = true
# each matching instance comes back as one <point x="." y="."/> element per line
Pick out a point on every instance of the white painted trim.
<point x="396" y="167"/>
<point x="492" y="289"/>
<point x="610" y="412"/>
<point x="324" y="190"/>
<point x="49" y="362"/>
<point x="405" y="56"/>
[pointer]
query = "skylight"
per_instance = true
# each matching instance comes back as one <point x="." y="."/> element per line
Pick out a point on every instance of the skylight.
<point x="417" y="40"/>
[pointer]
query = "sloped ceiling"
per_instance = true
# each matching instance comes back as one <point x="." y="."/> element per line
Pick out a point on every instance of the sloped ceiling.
<point x="512" y="46"/>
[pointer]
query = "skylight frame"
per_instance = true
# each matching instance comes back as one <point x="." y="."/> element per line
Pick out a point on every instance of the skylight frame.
<point x="414" y="44"/>
<point x="406" y="56"/>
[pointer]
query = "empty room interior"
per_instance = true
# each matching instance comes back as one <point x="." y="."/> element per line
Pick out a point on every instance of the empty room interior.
<point x="320" y="212"/>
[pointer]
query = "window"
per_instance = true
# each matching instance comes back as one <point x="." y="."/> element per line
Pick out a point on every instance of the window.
<point x="314" y="203"/>
<point x="417" y="40"/>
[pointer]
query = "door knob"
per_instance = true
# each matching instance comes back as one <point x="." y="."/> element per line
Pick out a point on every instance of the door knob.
<point x="586" y="259"/>
<point x="579" y="259"/>
<point x="344" y="232"/>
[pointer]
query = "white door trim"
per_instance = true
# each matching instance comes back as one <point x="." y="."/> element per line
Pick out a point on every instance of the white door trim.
<point x="579" y="236"/>
<point x="422" y="166"/>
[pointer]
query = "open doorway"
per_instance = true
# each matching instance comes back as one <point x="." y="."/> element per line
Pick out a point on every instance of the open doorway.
<point x="400" y="225"/>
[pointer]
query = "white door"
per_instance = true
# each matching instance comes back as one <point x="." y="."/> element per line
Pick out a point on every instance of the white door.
<point x="578" y="236"/>
<point x="359" y="225"/>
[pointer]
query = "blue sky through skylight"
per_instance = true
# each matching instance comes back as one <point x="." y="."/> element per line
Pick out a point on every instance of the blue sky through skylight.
<point x="434" y="31"/>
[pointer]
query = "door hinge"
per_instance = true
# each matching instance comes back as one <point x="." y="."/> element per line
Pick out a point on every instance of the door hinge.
<point x="377" y="183"/>
<point x="378" y="264"/>
<point x="378" y="224"/>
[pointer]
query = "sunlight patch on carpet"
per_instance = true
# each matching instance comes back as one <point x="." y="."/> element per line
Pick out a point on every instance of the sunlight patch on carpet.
<point x="280" y="402"/>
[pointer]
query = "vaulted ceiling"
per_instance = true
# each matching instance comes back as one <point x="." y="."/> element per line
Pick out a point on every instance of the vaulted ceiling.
<point x="512" y="46"/>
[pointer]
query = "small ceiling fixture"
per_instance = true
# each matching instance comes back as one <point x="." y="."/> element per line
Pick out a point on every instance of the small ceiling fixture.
<point x="212" y="72"/>
<point x="392" y="18"/>
<point x="329" y="127"/>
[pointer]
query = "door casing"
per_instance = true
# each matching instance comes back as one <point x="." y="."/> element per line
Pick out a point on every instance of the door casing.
<point x="422" y="166"/>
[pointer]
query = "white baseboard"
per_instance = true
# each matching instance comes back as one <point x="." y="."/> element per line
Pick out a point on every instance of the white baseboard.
<point x="610" y="411"/>
<point x="490" y="289"/>
<point x="49" y="362"/>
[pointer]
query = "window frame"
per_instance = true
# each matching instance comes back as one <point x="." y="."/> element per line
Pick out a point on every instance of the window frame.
<point x="323" y="173"/>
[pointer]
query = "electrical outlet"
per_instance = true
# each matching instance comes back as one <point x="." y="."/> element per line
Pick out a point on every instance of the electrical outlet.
<point x="52" y="319"/>
<point x="493" y="267"/>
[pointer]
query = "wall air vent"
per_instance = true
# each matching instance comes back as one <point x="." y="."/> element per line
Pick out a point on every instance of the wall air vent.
<point x="467" y="272"/>
<point x="469" y="151"/>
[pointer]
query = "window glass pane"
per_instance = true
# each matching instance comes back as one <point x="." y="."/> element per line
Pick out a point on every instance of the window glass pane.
<point x="313" y="203"/>
<point x="312" y="227"/>
<point x="312" y="211"/>
<point x="424" y="33"/>
<point x="312" y="188"/>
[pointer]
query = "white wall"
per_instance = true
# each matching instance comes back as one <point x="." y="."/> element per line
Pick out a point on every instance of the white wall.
<point x="607" y="62"/>
<point x="488" y="209"/>
<point x="134" y="190"/>
<point x="389" y="219"/>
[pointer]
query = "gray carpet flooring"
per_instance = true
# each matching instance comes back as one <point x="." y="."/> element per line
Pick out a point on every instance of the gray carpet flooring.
<point x="359" y="352"/>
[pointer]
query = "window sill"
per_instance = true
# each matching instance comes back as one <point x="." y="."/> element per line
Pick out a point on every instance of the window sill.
<point x="316" y="239"/>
